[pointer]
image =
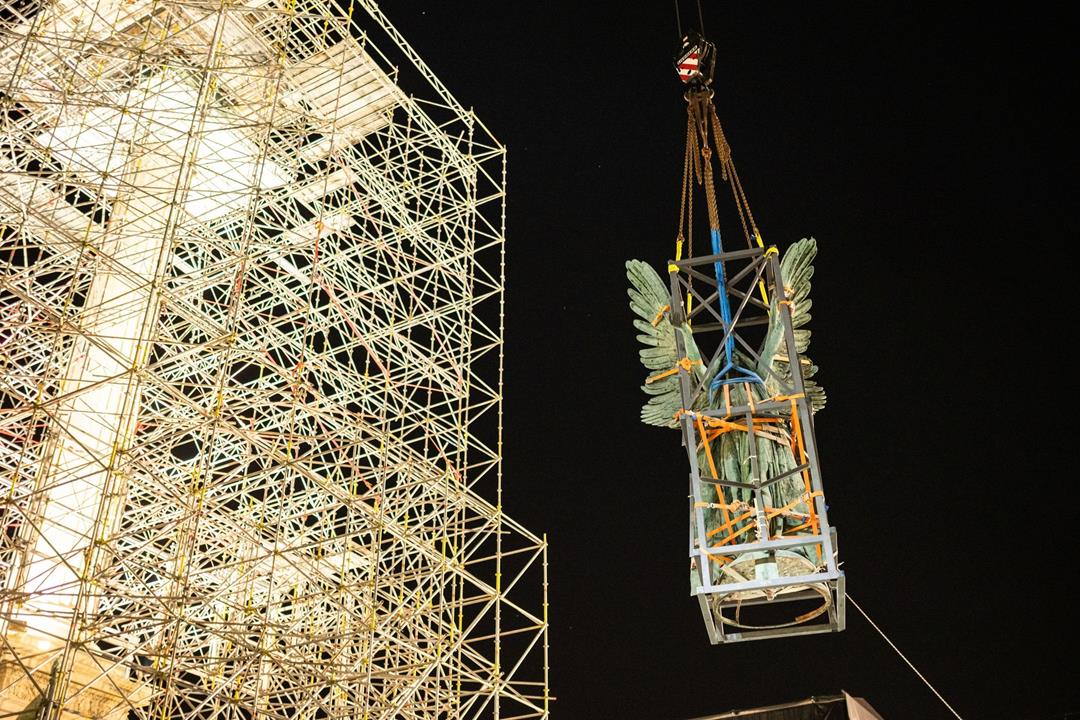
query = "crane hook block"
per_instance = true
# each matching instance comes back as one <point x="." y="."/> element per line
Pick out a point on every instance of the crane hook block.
<point x="695" y="59"/>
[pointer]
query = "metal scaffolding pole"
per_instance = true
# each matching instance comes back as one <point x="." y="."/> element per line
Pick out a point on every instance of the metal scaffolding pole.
<point x="251" y="374"/>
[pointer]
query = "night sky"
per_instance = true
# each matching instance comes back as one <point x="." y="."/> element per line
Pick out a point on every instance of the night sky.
<point x="927" y="155"/>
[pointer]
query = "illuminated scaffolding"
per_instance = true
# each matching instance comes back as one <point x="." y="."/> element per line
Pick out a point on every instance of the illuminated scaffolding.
<point x="250" y="374"/>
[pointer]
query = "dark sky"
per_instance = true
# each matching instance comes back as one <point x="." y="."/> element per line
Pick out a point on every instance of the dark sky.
<point x="927" y="154"/>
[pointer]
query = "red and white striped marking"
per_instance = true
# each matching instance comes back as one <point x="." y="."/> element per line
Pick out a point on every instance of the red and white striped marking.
<point x="688" y="66"/>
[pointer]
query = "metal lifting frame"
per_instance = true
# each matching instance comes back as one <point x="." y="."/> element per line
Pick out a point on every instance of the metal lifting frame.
<point x="743" y="271"/>
<point x="251" y="326"/>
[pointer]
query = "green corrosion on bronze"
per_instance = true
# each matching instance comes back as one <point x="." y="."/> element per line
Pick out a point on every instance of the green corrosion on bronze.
<point x="649" y="299"/>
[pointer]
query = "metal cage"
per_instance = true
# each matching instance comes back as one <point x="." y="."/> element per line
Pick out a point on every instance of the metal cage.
<point x="749" y="570"/>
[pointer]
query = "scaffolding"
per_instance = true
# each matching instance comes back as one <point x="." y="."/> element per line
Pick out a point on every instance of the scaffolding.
<point x="251" y="319"/>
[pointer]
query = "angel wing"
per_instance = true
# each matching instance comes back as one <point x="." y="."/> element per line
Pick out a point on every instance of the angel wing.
<point x="774" y="365"/>
<point x="649" y="299"/>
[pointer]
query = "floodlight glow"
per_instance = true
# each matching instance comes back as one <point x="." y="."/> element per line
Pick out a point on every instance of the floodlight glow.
<point x="250" y="321"/>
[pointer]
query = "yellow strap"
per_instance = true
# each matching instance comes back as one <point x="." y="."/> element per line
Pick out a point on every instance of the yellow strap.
<point x="719" y="427"/>
<point x="768" y="251"/>
<point x="687" y="363"/>
<point x="712" y="464"/>
<point x="684" y="364"/>
<point x="770" y="513"/>
<point x="782" y="398"/>
<point x="656" y="378"/>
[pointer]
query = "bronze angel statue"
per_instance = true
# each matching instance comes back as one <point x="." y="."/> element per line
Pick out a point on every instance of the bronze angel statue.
<point x="735" y="378"/>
